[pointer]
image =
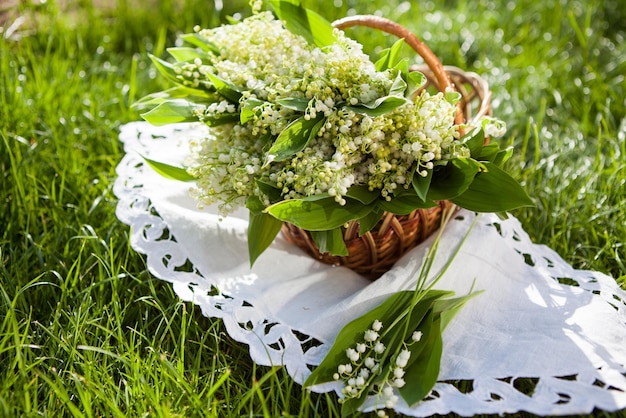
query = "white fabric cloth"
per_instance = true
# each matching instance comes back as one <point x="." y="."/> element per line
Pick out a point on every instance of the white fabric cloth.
<point x="561" y="330"/>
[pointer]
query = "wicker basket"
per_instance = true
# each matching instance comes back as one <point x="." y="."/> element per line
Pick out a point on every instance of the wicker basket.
<point x="375" y="252"/>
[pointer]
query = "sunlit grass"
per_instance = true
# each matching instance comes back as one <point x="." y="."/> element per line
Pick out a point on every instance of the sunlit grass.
<point x="86" y="331"/>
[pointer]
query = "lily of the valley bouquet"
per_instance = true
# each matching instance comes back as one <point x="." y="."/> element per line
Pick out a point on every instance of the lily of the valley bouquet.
<point x="305" y="129"/>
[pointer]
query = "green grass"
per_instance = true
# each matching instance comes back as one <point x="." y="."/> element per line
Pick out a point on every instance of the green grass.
<point x="87" y="331"/>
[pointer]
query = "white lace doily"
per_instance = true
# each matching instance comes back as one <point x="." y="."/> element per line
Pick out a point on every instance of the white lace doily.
<point x="558" y="332"/>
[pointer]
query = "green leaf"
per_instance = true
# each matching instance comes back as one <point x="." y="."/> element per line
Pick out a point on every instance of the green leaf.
<point x="453" y="97"/>
<point x="269" y="189"/>
<point x="248" y="109"/>
<point x="399" y="86"/>
<point x="254" y="204"/>
<point x="262" y="229"/>
<point x="422" y="375"/>
<point x="294" y="103"/>
<point x="389" y="56"/>
<point x="200" y="41"/>
<point x="369" y="221"/>
<point x="295" y="137"/>
<point x="351" y="406"/>
<point x="166" y="69"/>
<point x="318" y="215"/>
<point x="488" y="152"/>
<point x="363" y="194"/>
<point x="389" y="311"/>
<point x="179" y="92"/>
<point x="226" y="89"/>
<point x="453" y="179"/>
<point x="405" y="203"/>
<point x="403" y="67"/>
<point x="169" y="171"/>
<point x="424" y="307"/>
<point x="421" y="185"/>
<point x="415" y="81"/>
<point x="503" y="156"/>
<point x="379" y="107"/>
<point x="475" y="141"/>
<point x="493" y="191"/>
<point x="352" y="333"/>
<point x="304" y="22"/>
<point x="220" y="119"/>
<point x="423" y="367"/>
<point x="425" y="325"/>
<point x="185" y="54"/>
<point x="330" y="241"/>
<point x="172" y="111"/>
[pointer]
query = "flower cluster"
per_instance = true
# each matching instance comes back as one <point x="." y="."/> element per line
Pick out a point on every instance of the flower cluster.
<point x="300" y="114"/>
<point x="368" y="372"/>
<point x="280" y="74"/>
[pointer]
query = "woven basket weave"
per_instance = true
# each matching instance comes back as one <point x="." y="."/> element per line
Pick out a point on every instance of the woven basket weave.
<point x="375" y="252"/>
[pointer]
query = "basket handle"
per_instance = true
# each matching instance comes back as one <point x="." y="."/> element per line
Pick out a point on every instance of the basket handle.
<point x="376" y="22"/>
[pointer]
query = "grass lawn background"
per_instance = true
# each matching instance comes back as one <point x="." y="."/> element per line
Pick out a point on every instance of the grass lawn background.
<point x="84" y="328"/>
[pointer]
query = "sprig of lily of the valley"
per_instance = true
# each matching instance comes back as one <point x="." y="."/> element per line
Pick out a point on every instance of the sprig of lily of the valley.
<point x="395" y="349"/>
<point x="305" y="129"/>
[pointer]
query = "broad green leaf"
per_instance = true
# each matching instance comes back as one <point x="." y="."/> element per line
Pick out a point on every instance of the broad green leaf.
<point x="425" y="303"/>
<point x="474" y="140"/>
<point x="294" y="103"/>
<point x="425" y="325"/>
<point x="200" y="41"/>
<point x="488" y="152"/>
<point x="394" y="308"/>
<point x="398" y="88"/>
<point x="493" y="191"/>
<point x="183" y="53"/>
<point x="179" y="92"/>
<point x="405" y="203"/>
<point x="403" y="67"/>
<point x="330" y="241"/>
<point x="435" y="313"/>
<point x="226" y="89"/>
<point x="424" y="371"/>
<point x="304" y="22"/>
<point x="248" y="109"/>
<point x="503" y="156"/>
<point x="389" y="56"/>
<point x="453" y="97"/>
<point x="220" y="119"/>
<point x="166" y="69"/>
<point x="262" y="229"/>
<point x="295" y="137"/>
<point x="353" y="332"/>
<point x="453" y="179"/>
<point x="363" y="194"/>
<point x="246" y="115"/>
<point x="172" y="111"/>
<point x="316" y="197"/>
<point x="169" y="171"/>
<point x="269" y="189"/>
<point x="369" y="221"/>
<point x="380" y="106"/>
<point x="254" y="204"/>
<point x="383" y="62"/>
<point x="318" y="215"/>
<point x="422" y="184"/>
<point x="415" y="81"/>
<point x="351" y="406"/>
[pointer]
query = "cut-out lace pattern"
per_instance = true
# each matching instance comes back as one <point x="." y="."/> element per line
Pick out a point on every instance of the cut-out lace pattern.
<point x="469" y="385"/>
